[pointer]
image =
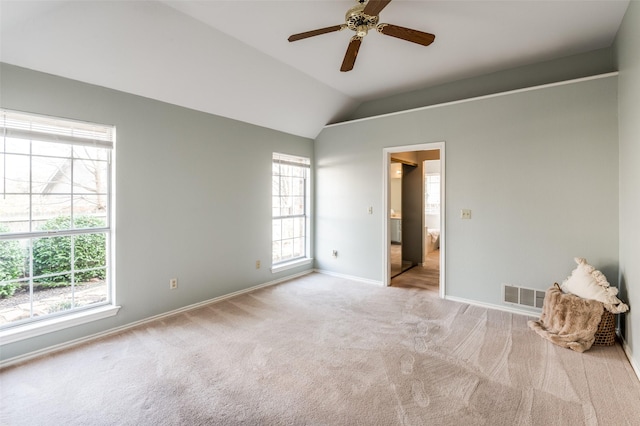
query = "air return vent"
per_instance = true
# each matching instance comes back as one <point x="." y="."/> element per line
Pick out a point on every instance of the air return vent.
<point x="522" y="296"/>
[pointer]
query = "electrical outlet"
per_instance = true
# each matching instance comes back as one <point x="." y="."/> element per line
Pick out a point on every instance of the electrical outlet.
<point x="173" y="283"/>
<point x="465" y="214"/>
<point x="257" y="264"/>
<point x="334" y="253"/>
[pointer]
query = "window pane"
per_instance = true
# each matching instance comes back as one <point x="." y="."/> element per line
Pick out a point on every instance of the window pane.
<point x="276" y="232"/>
<point x="14" y="212"/>
<point x="16" y="146"/>
<point x="298" y="247"/>
<point x="90" y="177"/>
<point x="89" y="293"/>
<point x="50" y="149"/>
<point x="52" y="255"/>
<point x="287" y="249"/>
<point x="53" y="281"/>
<point x="58" y="303"/>
<point x="90" y="252"/>
<point x="93" y="205"/>
<point x="48" y="206"/>
<point x="51" y="175"/>
<point x="285" y="170"/>
<point x="285" y="185"/>
<point x="16" y="307"/>
<point x="297" y="186"/>
<point x="299" y="227"/>
<point x="275" y="186"/>
<point x="285" y="207"/>
<point x="276" y="250"/>
<point x="53" y="301"/>
<point x="13" y="259"/>
<point x="287" y="228"/>
<point x="87" y="152"/>
<point x="298" y="205"/>
<point x="14" y="170"/>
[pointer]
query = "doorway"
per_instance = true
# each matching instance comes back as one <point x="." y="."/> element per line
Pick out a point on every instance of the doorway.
<point x="414" y="201"/>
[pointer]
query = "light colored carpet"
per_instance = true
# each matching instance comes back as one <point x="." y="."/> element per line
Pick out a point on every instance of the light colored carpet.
<point x="320" y="350"/>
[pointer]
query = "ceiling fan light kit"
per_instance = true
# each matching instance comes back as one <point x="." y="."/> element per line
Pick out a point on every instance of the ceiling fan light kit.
<point x="360" y="19"/>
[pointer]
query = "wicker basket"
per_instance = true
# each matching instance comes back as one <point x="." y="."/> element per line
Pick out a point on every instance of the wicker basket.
<point x="606" y="334"/>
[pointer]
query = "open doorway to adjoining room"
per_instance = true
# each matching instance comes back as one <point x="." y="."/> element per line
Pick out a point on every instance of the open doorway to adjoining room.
<point x="414" y="231"/>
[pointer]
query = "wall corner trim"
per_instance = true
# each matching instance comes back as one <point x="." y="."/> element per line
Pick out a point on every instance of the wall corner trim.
<point x="478" y="98"/>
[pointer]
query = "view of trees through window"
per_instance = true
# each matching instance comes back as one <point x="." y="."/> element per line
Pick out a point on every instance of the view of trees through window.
<point x="54" y="216"/>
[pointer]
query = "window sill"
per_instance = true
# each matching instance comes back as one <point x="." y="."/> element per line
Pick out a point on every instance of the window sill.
<point x="55" y="324"/>
<point x="290" y="265"/>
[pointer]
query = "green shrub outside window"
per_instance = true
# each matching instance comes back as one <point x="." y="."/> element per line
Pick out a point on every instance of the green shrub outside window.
<point x="52" y="255"/>
<point x="12" y="264"/>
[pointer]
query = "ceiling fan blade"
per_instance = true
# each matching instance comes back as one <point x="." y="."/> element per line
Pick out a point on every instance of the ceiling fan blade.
<point x="352" y="53"/>
<point x="300" y="36"/>
<point x="408" y="34"/>
<point x="374" y="7"/>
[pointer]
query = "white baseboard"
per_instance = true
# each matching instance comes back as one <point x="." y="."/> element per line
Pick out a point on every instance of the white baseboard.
<point x="629" y="354"/>
<point x="509" y="309"/>
<point x="66" y="345"/>
<point x="350" y="277"/>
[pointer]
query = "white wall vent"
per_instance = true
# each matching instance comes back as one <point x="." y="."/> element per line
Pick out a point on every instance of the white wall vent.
<point x="522" y="296"/>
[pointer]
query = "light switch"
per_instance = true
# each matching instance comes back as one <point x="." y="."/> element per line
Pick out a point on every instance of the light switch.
<point x="465" y="214"/>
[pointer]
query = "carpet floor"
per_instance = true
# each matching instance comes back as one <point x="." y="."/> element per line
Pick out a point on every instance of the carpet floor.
<point x="320" y="350"/>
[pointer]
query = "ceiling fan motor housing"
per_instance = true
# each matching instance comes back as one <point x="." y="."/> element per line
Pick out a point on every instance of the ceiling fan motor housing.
<point x="358" y="21"/>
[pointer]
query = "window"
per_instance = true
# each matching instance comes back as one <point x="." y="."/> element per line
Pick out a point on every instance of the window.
<point x="55" y="217"/>
<point x="432" y="194"/>
<point x="290" y="190"/>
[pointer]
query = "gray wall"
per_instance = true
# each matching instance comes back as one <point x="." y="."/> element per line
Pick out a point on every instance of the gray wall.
<point x="570" y="67"/>
<point x="539" y="169"/>
<point x="193" y="194"/>
<point x="628" y="57"/>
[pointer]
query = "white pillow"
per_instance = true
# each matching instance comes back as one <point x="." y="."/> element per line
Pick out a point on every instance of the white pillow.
<point x="587" y="282"/>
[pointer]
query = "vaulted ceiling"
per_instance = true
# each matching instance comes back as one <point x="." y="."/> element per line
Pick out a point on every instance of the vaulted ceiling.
<point x="232" y="58"/>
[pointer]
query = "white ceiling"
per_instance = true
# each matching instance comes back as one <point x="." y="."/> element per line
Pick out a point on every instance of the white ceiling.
<point x="232" y="58"/>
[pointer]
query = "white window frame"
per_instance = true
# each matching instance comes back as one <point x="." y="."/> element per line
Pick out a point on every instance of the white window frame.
<point x="27" y="126"/>
<point x="304" y="258"/>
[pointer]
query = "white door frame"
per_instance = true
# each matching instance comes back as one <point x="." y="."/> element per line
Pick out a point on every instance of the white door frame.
<point x="386" y="207"/>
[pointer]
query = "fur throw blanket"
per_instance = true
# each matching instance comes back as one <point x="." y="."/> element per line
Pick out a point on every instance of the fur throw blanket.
<point x="568" y="320"/>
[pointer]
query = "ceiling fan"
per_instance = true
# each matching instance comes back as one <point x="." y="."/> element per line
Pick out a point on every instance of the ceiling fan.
<point x="361" y="18"/>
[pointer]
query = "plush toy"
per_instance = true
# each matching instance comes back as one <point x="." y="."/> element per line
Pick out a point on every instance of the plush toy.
<point x="589" y="283"/>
